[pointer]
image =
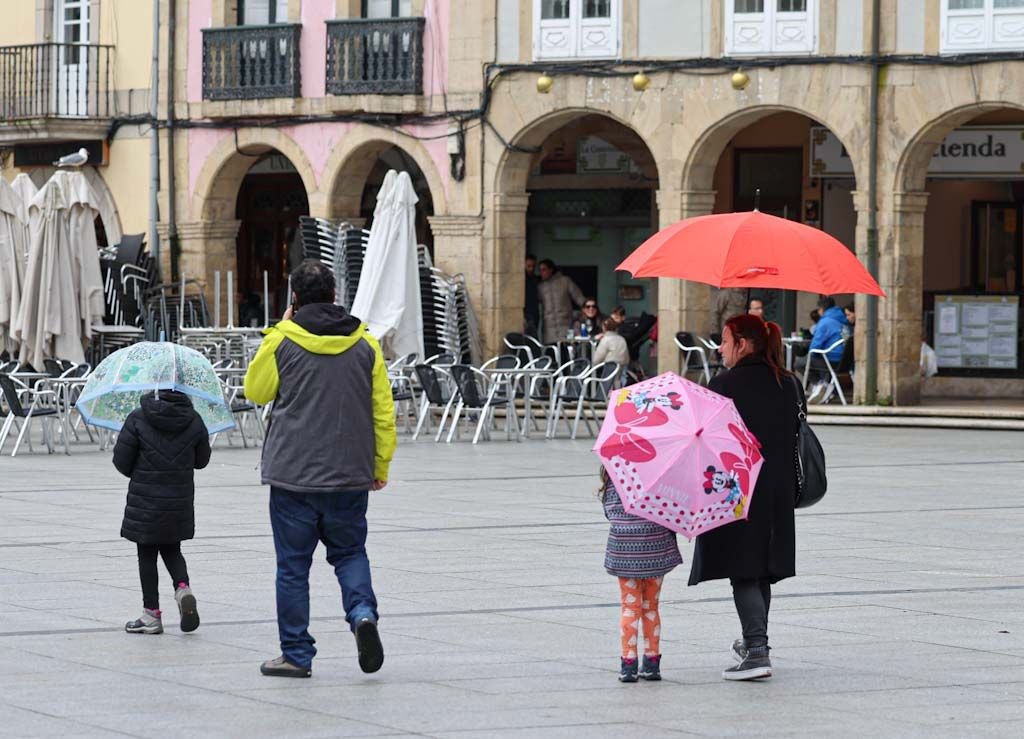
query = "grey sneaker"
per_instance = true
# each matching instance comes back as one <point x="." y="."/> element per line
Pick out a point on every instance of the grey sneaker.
<point x="739" y="650"/>
<point x="817" y="389"/>
<point x="754" y="666"/>
<point x="280" y="667"/>
<point x="148" y="623"/>
<point x="627" y="670"/>
<point x="371" y="651"/>
<point x="187" y="608"/>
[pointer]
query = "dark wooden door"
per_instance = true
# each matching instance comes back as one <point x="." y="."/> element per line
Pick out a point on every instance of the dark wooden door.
<point x="269" y="207"/>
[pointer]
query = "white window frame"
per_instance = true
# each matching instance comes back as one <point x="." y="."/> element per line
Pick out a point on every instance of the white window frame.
<point x="770" y="18"/>
<point x="574" y="25"/>
<point x="989" y="17"/>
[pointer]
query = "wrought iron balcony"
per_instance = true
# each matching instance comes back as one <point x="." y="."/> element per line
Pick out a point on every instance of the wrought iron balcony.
<point x="375" y="56"/>
<point x="55" y="81"/>
<point x="251" y="62"/>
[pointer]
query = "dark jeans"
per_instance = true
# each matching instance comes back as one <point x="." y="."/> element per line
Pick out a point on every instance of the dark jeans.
<point x="753" y="598"/>
<point x="300" y="521"/>
<point x="819" y="371"/>
<point x="174" y="563"/>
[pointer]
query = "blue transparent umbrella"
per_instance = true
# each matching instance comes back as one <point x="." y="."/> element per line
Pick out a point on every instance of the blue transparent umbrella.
<point x="117" y="385"/>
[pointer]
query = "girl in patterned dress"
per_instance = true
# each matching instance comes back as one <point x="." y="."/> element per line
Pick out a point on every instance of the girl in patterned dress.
<point x="640" y="553"/>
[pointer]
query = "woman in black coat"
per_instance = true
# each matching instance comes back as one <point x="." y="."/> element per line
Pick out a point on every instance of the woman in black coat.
<point x="159" y="447"/>
<point x="760" y="551"/>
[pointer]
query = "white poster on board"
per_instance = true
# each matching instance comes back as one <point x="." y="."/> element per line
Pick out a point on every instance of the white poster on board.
<point x="977" y="331"/>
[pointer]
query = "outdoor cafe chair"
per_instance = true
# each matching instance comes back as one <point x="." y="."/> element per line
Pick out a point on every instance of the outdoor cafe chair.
<point x="527" y="348"/>
<point x="833" y="385"/>
<point x="567" y="388"/>
<point x="402" y="392"/>
<point x="476" y="394"/>
<point x="444" y="359"/>
<point x="597" y="387"/>
<point x="41" y="404"/>
<point x="687" y="344"/>
<point x="435" y="396"/>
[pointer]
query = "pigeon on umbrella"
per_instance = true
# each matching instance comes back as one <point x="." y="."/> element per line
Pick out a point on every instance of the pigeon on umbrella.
<point x="77" y="159"/>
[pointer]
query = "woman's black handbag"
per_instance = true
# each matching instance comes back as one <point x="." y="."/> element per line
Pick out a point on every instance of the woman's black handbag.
<point x="811" y="480"/>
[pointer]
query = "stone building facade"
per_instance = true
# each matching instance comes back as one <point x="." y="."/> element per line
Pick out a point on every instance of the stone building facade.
<point x="488" y="148"/>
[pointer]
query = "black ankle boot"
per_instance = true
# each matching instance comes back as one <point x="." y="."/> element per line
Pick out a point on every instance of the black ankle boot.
<point x="627" y="670"/>
<point x="755" y="666"/>
<point x="651" y="668"/>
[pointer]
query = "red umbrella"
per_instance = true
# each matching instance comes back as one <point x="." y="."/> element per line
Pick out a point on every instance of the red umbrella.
<point x="752" y="249"/>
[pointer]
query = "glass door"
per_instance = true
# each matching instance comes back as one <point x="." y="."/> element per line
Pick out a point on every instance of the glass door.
<point x="71" y="21"/>
<point x="997" y="246"/>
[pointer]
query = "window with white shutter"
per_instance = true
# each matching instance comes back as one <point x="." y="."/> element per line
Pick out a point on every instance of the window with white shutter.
<point x="576" y="29"/>
<point x="982" y="25"/>
<point x="770" y="27"/>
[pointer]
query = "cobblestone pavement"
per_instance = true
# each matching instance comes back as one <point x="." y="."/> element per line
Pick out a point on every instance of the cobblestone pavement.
<point x="498" y="619"/>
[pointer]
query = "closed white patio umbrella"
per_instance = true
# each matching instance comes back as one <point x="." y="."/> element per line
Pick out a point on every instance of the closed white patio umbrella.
<point x="388" y="298"/>
<point x="13" y="233"/>
<point x="62" y="294"/>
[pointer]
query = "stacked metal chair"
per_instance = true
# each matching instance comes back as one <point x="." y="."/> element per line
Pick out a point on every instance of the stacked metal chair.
<point x="449" y="323"/>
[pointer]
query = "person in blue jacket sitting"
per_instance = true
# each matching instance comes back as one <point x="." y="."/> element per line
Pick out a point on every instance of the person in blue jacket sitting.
<point x="832" y="327"/>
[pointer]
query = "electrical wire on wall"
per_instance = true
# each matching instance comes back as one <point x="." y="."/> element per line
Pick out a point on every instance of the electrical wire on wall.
<point x="466" y="120"/>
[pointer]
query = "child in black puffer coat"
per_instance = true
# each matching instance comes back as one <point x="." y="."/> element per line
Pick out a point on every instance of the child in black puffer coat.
<point x="159" y="447"/>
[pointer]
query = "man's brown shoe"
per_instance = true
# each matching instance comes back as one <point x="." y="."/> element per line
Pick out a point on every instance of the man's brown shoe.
<point x="280" y="667"/>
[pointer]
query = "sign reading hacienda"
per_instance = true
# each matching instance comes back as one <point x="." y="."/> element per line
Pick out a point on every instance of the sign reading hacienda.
<point x="966" y="152"/>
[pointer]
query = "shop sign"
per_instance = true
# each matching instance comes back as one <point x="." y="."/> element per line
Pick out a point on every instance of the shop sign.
<point x="976" y="331"/>
<point x="967" y="152"/>
<point x="594" y="155"/>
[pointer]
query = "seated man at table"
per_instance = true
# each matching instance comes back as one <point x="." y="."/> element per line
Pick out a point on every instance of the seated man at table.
<point x="832" y="327"/>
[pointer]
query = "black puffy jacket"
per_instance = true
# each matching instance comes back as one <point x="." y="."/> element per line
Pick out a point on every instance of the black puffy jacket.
<point x="159" y="447"/>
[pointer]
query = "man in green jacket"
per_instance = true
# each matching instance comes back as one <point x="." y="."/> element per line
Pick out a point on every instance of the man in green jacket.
<point x="330" y="441"/>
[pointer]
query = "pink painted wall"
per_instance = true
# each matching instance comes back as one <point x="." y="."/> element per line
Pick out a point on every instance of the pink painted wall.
<point x="313" y="46"/>
<point x="317" y="140"/>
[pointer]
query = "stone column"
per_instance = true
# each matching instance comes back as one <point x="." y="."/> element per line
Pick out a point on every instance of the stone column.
<point x="503" y="280"/>
<point x="682" y="305"/>
<point x="206" y="247"/>
<point x="901" y="276"/>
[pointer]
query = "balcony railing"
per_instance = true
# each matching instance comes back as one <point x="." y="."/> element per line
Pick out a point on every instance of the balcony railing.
<point x="251" y="62"/>
<point x="375" y="56"/>
<point x="55" y="81"/>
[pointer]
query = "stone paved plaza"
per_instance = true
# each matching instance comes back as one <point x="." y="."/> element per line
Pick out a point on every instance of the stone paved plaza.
<point x="498" y="619"/>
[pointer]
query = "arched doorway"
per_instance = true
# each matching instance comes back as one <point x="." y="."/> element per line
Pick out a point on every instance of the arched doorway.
<point x="789" y="165"/>
<point x="359" y="173"/>
<point x="968" y="170"/>
<point x="271" y="198"/>
<point x="591" y="189"/>
<point x="399" y="160"/>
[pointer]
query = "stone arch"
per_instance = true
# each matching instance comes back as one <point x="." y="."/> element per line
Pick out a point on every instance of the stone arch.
<point x="216" y="190"/>
<point x="699" y="167"/>
<point x="109" y="215"/>
<point x="912" y="166"/>
<point x="513" y="168"/>
<point x="351" y="161"/>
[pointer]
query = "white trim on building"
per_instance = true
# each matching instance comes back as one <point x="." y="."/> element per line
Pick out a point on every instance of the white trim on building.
<point x="577" y="29"/>
<point x="981" y="25"/>
<point x="771" y="27"/>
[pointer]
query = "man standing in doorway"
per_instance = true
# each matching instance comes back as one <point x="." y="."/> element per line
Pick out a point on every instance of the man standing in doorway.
<point x="558" y="296"/>
<point x="729" y="302"/>
<point x="330" y="442"/>
<point x="531" y="301"/>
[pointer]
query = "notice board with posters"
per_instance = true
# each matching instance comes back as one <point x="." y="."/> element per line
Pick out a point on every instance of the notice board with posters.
<point x="976" y="331"/>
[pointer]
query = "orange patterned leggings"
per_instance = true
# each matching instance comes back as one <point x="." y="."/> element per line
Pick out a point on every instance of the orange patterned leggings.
<point x="640" y="603"/>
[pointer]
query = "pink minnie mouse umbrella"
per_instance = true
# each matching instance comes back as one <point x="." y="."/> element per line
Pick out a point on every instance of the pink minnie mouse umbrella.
<point x="679" y="454"/>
